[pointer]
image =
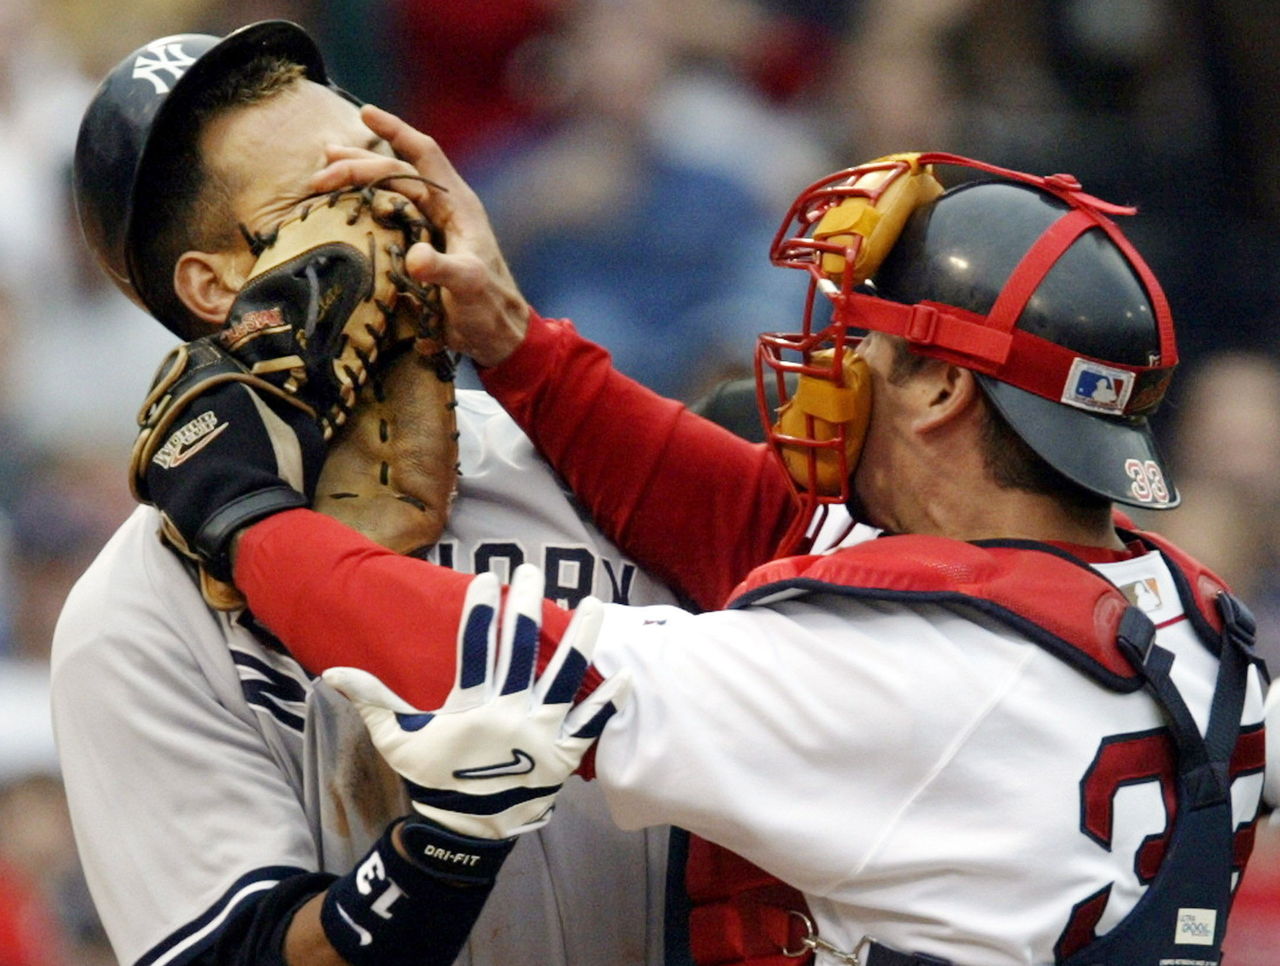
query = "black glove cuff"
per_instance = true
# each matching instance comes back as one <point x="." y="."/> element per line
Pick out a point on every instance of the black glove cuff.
<point x="213" y="541"/>
<point x="453" y="857"/>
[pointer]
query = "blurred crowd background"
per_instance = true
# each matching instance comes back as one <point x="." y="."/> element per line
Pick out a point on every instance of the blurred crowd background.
<point x="636" y="157"/>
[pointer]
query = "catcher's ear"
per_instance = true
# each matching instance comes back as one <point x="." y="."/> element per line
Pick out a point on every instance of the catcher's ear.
<point x="208" y="282"/>
<point x="948" y="392"/>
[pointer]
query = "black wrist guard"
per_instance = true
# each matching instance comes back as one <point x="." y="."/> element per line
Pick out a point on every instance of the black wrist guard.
<point x="453" y="857"/>
<point x="394" y="911"/>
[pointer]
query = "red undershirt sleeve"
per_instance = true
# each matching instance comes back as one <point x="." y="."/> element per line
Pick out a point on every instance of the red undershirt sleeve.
<point x="691" y="502"/>
<point x="337" y="599"/>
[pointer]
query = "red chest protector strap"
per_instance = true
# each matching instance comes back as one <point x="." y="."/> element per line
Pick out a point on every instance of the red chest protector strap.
<point x="739" y="914"/>
<point x="1056" y="600"/>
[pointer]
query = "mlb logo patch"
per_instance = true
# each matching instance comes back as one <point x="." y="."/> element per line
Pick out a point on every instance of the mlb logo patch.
<point x="1143" y="594"/>
<point x="1091" y="385"/>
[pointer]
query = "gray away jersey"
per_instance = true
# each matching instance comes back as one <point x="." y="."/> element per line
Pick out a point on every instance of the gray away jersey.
<point x="202" y="765"/>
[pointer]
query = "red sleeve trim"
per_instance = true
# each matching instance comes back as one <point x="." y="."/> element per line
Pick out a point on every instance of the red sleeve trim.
<point x="337" y="599"/>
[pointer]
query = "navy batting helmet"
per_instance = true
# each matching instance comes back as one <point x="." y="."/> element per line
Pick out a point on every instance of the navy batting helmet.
<point x="124" y="134"/>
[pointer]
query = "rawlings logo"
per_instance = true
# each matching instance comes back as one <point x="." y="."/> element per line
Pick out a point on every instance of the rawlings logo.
<point x="188" y="441"/>
<point x="327" y="300"/>
<point x="159" y="56"/>
<point x="249" y="325"/>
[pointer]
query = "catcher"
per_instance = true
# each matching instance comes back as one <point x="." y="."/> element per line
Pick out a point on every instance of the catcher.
<point x="229" y="808"/>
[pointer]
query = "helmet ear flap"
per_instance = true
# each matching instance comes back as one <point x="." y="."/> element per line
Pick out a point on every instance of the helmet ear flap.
<point x="821" y="428"/>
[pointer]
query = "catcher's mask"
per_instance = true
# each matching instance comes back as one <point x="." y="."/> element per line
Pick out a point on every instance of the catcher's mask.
<point x="125" y="133"/>
<point x="1025" y="280"/>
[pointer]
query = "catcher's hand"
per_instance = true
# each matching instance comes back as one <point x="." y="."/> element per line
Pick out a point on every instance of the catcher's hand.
<point x="490" y="761"/>
<point x="219" y="449"/>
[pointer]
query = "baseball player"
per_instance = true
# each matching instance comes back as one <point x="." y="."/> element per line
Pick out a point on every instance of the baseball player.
<point x="964" y="741"/>
<point x="215" y="786"/>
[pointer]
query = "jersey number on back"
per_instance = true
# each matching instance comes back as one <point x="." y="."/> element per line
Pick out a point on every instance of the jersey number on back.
<point x="1133" y="759"/>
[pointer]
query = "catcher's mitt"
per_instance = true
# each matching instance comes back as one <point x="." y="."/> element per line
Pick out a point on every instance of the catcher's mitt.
<point x="368" y="354"/>
<point x="329" y="316"/>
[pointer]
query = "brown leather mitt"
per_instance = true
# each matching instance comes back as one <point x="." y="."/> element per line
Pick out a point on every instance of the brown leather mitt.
<point x="329" y="316"/>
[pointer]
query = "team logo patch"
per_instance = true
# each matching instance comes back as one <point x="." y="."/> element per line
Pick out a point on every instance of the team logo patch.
<point x="1091" y="385"/>
<point x="1195" y="927"/>
<point x="161" y="57"/>
<point x="189" y="440"/>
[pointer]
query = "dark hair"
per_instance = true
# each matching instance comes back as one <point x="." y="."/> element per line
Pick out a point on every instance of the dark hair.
<point x="187" y="206"/>
<point x="1008" y="459"/>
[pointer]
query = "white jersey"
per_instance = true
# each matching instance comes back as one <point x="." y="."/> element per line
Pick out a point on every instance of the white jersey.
<point x="202" y="764"/>
<point x="917" y="772"/>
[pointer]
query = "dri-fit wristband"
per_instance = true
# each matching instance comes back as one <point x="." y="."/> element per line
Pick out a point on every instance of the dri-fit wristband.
<point x="393" y="911"/>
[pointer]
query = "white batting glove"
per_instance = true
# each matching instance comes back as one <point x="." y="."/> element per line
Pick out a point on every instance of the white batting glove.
<point x="490" y="761"/>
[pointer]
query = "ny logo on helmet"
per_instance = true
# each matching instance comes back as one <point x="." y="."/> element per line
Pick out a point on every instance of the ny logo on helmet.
<point x="162" y="56"/>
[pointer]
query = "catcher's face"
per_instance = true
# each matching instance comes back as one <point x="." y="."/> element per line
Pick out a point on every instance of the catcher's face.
<point x="261" y="157"/>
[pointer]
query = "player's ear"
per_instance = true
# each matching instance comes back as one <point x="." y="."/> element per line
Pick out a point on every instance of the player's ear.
<point x="208" y="282"/>
<point x="952" y="392"/>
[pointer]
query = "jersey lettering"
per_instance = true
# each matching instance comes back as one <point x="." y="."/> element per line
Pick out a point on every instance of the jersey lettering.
<point x="621" y="582"/>
<point x="1124" y="760"/>
<point x="1137" y="758"/>
<point x="570" y="571"/>
<point x="499" y="558"/>
<point x="1248" y="758"/>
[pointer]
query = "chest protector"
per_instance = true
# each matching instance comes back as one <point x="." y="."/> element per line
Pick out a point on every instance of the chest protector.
<point x="742" y="915"/>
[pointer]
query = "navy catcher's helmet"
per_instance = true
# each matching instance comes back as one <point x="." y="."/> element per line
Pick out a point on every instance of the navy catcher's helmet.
<point x="123" y="133"/>
<point x="1087" y="415"/>
<point x="1025" y="280"/>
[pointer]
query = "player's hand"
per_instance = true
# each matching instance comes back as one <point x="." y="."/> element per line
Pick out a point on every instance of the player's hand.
<point x="490" y="761"/>
<point x="220" y="449"/>
<point x="485" y="315"/>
